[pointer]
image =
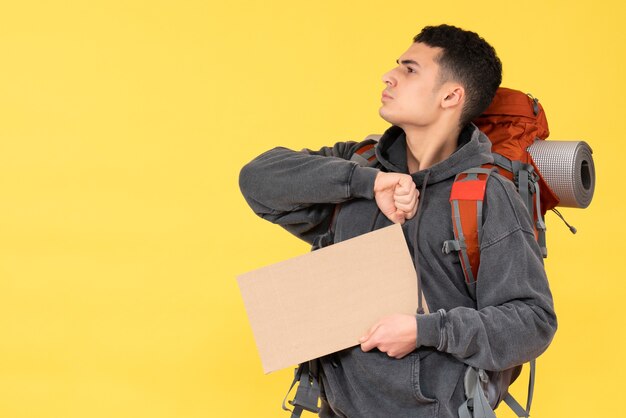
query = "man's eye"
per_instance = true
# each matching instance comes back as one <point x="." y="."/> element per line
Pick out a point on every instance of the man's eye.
<point x="410" y="70"/>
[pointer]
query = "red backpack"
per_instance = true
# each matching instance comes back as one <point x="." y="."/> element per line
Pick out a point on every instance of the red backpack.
<point x="513" y="121"/>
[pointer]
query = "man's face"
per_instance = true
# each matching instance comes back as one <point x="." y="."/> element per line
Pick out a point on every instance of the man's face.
<point x="413" y="88"/>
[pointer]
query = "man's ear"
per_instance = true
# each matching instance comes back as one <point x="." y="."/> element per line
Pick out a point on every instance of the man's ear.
<point x="454" y="95"/>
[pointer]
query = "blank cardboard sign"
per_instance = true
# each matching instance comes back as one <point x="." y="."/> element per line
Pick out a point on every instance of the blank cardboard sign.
<point x="323" y="301"/>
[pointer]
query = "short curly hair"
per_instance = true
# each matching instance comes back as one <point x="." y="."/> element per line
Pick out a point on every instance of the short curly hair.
<point x="468" y="59"/>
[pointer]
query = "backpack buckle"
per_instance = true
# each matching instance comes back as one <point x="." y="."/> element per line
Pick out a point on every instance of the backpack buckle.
<point x="451" y="245"/>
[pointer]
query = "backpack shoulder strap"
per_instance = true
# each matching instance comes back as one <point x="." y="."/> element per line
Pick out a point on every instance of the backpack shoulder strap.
<point x="365" y="156"/>
<point x="466" y="201"/>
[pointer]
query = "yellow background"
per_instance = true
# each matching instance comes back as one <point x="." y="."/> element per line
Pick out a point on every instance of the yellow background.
<point x="123" y="125"/>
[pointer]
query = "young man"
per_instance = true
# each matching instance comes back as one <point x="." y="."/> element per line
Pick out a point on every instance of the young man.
<point x="414" y="365"/>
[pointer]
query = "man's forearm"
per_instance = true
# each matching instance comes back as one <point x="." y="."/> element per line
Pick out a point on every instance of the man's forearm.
<point x="283" y="180"/>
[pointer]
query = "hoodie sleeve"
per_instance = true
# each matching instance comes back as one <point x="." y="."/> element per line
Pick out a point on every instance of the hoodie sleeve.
<point x="299" y="189"/>
<point x="514" y="320"/>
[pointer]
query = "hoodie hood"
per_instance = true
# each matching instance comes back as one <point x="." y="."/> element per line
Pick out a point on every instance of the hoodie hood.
<point x="473" y="150"/>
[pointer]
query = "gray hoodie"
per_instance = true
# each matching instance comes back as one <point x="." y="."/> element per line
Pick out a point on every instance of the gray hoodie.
<point x="508" y="322"/>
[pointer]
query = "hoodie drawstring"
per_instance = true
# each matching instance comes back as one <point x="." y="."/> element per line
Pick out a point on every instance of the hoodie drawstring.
<point x="420" y="293"/>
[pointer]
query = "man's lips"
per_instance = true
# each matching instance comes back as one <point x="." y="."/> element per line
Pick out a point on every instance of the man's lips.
<point x="386" y="96"/>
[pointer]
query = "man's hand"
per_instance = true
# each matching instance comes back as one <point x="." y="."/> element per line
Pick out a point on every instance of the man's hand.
<point x="396" y="196"/>
<point x="395" y="335"/>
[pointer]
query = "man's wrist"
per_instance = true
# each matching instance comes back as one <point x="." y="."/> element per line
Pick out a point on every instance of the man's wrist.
<point x="429" y="328"/>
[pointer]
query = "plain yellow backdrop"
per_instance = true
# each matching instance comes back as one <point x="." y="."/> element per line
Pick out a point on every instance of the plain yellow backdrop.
<point x="123" y="126"/>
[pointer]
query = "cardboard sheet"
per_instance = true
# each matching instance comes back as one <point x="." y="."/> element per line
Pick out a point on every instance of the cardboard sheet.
<point x="324" y="301"/>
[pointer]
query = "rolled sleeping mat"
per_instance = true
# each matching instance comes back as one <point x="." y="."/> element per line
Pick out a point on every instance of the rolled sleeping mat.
<point x="567" y="167"/>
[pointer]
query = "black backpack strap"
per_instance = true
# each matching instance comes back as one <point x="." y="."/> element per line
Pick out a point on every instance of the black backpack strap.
<point x="308" y="392"/>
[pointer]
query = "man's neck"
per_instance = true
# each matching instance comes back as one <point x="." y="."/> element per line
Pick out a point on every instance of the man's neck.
<point x="426" y="146"/>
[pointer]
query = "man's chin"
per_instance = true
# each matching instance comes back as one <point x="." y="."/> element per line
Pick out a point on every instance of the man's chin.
<point x="385" y="115"/>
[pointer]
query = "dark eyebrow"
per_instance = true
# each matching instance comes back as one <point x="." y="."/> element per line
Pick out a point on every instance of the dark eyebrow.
<point x="407" y="62"/>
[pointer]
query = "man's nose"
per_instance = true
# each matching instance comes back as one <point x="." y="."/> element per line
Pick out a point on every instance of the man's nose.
<point x="389" y="79"/>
